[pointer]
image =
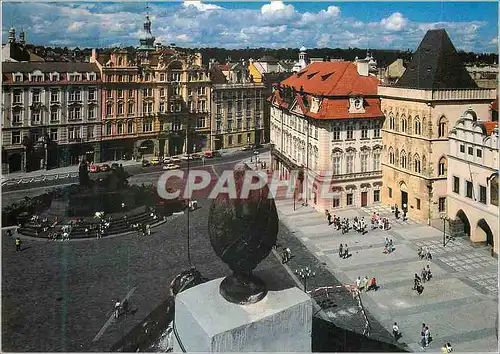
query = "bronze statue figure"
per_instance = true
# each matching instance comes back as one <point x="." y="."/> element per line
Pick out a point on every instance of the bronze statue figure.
<point x="242" y="233"/>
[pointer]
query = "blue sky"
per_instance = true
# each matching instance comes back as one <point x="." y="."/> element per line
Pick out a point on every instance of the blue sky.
<point x="472" y="26"/>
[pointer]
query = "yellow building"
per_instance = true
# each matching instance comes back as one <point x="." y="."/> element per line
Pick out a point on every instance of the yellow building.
<point x="433" y="93"/>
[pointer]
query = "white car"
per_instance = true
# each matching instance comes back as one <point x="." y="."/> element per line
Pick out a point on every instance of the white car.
<point x="171" y="166"/>
<point x="175" y="159"/>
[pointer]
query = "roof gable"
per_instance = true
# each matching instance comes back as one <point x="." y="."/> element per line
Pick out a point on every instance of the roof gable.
<point x="436" y="65"/>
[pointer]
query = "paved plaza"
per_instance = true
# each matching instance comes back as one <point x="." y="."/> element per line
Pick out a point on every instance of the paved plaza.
<point x="459" y="304"/>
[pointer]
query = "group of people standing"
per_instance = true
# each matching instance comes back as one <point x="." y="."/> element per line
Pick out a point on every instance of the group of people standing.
<point x="425" y="335"/>
<point x="381" y="223"/>
<point x="344" y="225"/>
<point x="426" y="275"/>
<point x="389" y="246"/>
<point x="366" y="284"/>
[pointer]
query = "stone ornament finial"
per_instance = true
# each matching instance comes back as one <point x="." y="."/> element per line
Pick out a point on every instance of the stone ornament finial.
<point x="242" y="233"/>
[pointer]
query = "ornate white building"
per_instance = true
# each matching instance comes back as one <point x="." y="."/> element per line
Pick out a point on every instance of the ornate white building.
<point x="326" y="121"/>
<point x="473" y="178"/>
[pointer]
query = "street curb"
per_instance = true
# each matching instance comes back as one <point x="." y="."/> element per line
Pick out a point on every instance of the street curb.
<point x="31" y="238"/>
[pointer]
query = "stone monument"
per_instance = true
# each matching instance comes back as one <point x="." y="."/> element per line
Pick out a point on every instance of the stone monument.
<point x="238" y="313"/>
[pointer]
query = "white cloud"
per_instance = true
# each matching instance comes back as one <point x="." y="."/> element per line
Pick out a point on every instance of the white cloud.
<point x="277" y="10"/>
<point x="395" y="22"/>
<point x="200" y="5"/>
<point x="494" y="41"/>
<point x="183" y="38"/>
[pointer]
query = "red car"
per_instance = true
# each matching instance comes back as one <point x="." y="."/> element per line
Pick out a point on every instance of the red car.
<point x="94" y="169"/>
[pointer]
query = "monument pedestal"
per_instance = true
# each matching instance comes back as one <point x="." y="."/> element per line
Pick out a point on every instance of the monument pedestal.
<point x="206" y="322"/>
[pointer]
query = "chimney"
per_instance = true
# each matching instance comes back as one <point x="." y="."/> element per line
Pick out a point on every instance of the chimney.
<point x="158" y="46"/>
<point x="362" y="65"/>
<point x="12" y="35"/>
<point x="211" y="64"/>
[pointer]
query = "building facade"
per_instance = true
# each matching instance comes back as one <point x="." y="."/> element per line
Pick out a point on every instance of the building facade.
<point x="420" y="109"/>
<point x="473" y="178"/>
<point x="156" y="100"/>
<point x="485" y="76"/>
<point x="325" y="122"/>
<point x="50" y="114"/>
<point x="237" y="108"/>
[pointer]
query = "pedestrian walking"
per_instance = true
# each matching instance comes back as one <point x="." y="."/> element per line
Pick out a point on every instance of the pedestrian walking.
<point x="117" y="308"/>
<point x="396" y="212"/>
<point x="427" y="336"/>
<point x="428" y="272"/>
<point x="416" y="281"/>
<point x="18" y="244"/>
<point x="395" y="331"/>
<point x="346" y="251"/>
<point x="358" y="282"/>
<point x="148" y="229"/>
<point x="391" y="246"/>
<point x="329" y="218"/>
<point x="340" y="250"/>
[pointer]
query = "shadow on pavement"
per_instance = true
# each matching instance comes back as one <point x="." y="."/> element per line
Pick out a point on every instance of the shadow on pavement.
<point x="326" y="337"/>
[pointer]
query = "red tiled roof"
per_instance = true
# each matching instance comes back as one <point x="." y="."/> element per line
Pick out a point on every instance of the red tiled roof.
<point x="334" y="81"/>
<point x="490" y="126"/>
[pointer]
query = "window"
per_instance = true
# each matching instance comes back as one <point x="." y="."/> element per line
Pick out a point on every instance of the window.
<point x="53" y="134"/>
<point x="130" y="127"/>
<point x="482" y="194"/>
<point x="18" y="78"/>
<point x="257" y="104"/>
<point x="120" y="93"/>
<point x="456" y="185"/>
<point x="462" y="149"/>
<point x="364" y="163"/>
<point x="147" y="77"/>
<point x="376" y="161"/>
<point x="479" y="153"/>
<point x="418" y="203"/>
<point x="54" y="96"/>
<point x="416" y="164"/>
<point x="162" y="77"/>
<point x="200" y="123"/>
<point x="17" y="96"/>
<point x="442" y="204"/>
<point x="442" y="167"/>
<point x="16" y="138"/>
<point x="92" y="95"/>
<point x="16" y="117"/>
<point x="177" y="91"/>
<point x="120" y="108"/>
<point x="230" y="140"/>
<point x="75" y="113"/>
<point x="376" y="196"/>
<point x="349" y="164"/>
<point x="54" y="115"/>
<point x="119" y="78"/>
<point x="336" y="133"/>
<point x="90" y="132"/>
<point x="119" y="128"/>
<point x="108" y="128"/>
<point x="418" y="127"/>
<point x="130" y="78"/>
<point x="130" y="93"/>
<point x="469" y="189"/>
<point x="470" y="150"/>
<point x="404" y="124"/>
<point x="109" y="93"/>
<point x="162" y="107"/>
<point x="336" y="165"/>
<point x="391" y="122"/>
<point x="74" y="95"/>
<point x="109" y="109"/>
<point x="162" y="92"/>
<point x="147" y="126"/>
<point x="239" y="139"/>
<point x="336" y="202"/>
<point x="403" y="159"/>
<point x="390" y="192"/>
<point x="442" y="127"/>
<point x="130" y="108"/>
<point x="349" y="199"/>
<point x="36" y="96"/>
<point x="201" y="91"/>
<point x="392" y="157"/>
<point x="176" y="124"/>
<point x="494" y="191"/>
<point x="36" y="117"/>
<point x="229" y="125"/>
<point x="91" y="113"/>
<point x="376" y="130"/>
<point x="364" y="132"/>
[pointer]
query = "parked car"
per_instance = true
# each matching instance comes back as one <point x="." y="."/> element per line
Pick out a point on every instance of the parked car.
<point x="155" y="161"/>
<point x="167" y="160"/>
<point x="247" y="148"/>
<point x="175" y="159"/>
<point x="185" y="157"/>
<point x="171" y="166"/>
<point x="105" y="168"/>
<point x="94" y="169"/>
<point x="146" y="163"/>
<point x="195" y="157"/>
<point x="115" y="166"/>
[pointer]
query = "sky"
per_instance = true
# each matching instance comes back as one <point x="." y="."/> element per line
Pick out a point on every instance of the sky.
<point x="472" y="26"/>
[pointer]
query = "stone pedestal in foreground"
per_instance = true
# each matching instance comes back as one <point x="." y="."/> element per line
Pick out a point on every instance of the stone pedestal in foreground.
<point x="206" y="322"/>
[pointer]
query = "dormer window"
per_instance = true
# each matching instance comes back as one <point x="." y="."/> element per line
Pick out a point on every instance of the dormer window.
<point x="74" y="77"/>
<point x="310" y="76"/>
<point x="54" y="77"/>
<point x="326" y="76"/>
<point x="91" y="76"/>
<point x="356" y="105"/>
<point x="36" y="76"/>
<point x="18" y="77"/>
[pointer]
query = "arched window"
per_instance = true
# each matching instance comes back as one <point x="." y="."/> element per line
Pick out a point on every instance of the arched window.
<point x="418" y="127"/>
<point x="392" y="158"/>
<point x="416" y="163"/>
<point x="442" y="127"/>
<point x="404" y="124"/>
<point x="442" y="166"/>
<point x="494" y="191"/>
<point x="120" y="61"/>
<point x="403" y="159"/>
<point x="130" y="127"/>
<point x="392" y="124"/>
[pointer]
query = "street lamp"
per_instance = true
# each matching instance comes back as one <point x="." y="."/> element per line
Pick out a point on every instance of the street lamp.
<point x="304" y="274"/>
<point x="445" y="218"/>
